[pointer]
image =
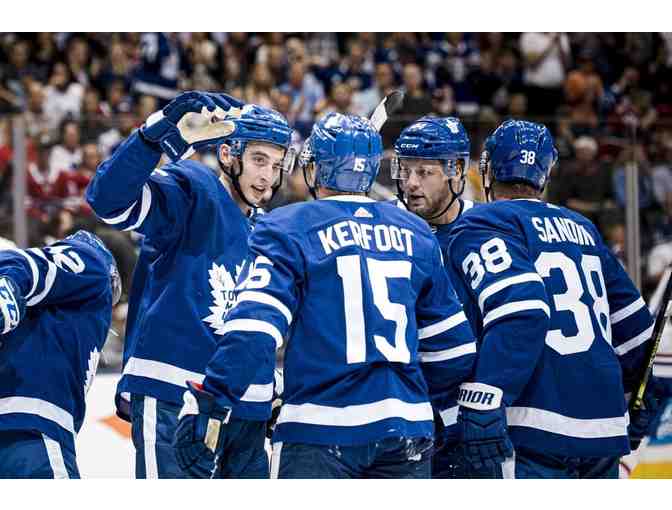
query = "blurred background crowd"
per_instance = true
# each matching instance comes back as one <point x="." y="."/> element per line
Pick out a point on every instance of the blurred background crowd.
<point x="607" y="98"/>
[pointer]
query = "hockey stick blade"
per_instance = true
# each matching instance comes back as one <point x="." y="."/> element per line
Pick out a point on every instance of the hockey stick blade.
<point x="386" y="107"/>
<point x="637" y="399"/>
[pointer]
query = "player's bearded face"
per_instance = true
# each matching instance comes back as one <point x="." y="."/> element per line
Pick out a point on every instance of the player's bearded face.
<point x="262" y="166"/>
<point x="426" y="187"/>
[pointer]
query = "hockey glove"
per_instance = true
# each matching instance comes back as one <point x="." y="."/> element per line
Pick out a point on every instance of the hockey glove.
<point x="199" y="436"/>
<point x="12" y="305"/>
<point x="481" y="423"/>
<point x="642" y="420"/>
<point x="191" y="118"/>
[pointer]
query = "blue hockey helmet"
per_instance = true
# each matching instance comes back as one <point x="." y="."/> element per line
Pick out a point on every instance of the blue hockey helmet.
<point x="258" y="124"/>
<point x="441" y="138"/>
<point x="346" y="151"/>
<point x="95" y="242"/>
<point x="519" y="151"/>
<point x="436" y="138"/>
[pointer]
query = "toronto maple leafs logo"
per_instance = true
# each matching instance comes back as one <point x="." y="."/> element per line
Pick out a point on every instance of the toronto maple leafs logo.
<point x="94" y="357"/>
<point x="223" y="286"/>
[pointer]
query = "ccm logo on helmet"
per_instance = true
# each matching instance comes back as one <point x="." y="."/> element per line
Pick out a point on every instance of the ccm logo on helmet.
<point x="409" y="145"/>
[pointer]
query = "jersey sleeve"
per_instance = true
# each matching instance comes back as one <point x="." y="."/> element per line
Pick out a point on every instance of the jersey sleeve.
<point x="631" y="321"/>
<point x="242" y="368"/>
<point x="129" y="193"/>
<point x="447" y="347"/>
<point x="63" y="272"/>
<point x="495" y="271"/>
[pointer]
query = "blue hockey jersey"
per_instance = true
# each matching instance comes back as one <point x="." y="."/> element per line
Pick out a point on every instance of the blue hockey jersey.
<point x="358" y="290"/>
<point x="562" y="329"/>
<point x="195" y="244"/>
<point x="48" y="362"/>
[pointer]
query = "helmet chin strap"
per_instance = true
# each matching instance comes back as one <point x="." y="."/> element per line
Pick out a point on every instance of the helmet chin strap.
<point x="312" y="189"/>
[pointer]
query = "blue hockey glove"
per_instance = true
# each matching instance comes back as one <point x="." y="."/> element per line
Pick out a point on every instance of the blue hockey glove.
<point x="199" y="436"/>
<point x="482" y="425"/>
<point x="12" y="305"/>
<point x="191" y="118"/>
<point x="642" y="420"/>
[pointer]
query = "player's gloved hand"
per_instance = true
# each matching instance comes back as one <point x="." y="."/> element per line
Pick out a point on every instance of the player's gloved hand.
<point x="199" y="436"/>
<point x="12" y="305"/>
<point x="642" y="420"/>
<point x="481" y="423"/>
<point x="191" y="118"/>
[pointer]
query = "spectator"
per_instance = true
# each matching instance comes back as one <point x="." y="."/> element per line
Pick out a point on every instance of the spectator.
<point x="307" y="96"/>
<point x="417" y="102"/>
<point x="583" y="184"/>
<point x="546" y="58"/>
<point x="258" y="91"/>
<point x="364" y="101"/>
<point x="93" y="120"/>
<point x="77" y="58"/>
<point x="518" y="106"/>
<point x="62" y="97"/>
<point x="157" y="72"/>
<point x="70" y="185"/>
<point x="340" y="100"/>
<point x="13" y="78"/>
<point x="67" y="155"/>
<point x="116" y="100"/>
<point x="123" y="126"/>
<point x="37" y="122"/>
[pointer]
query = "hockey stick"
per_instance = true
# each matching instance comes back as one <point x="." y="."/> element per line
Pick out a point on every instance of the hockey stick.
<point x="637" y="400"/>
<point x="385" y="108"/>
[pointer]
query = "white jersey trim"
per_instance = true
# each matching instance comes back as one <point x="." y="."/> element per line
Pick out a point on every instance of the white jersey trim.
<point x="449" y="416"/>
<point x="33" y="270"/>
<point x="115" y="220"/>
<point x="664" y="371"/>
<point x="55" y="456"/>
<point x="455" y="352"/>
<point x="258" y="393"/>
<point x="38" y="407"/>
<point x="48" y="280"/>
<point x="355" y="415"/>
<point x="635" y="342"/>
<point x="506" y="282"/>
<point x="442" y="326"/>
<point x="266" y="299"/>
<point x="149" y="436"/>
<point x="254" y="326"/>
<point x="350" y="198"/>
<point x="626" y="312"/>
<point x="275" y="459"/>
<point x="515" y="307"/>
<point x="160" y="371"/>
<point x="548" y="421"/>
<point x="144" y="207"/>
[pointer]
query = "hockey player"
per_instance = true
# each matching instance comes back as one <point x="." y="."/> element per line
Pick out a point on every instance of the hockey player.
<point x="55" y="312"/>
<point x="359" y="290"/>
<point x="430" y="165"/>
<point x="195" y="227"/>
<point x="562" y="330"/>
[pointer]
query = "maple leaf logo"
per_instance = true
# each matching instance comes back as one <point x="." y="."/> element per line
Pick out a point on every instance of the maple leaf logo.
<point x="223" y="286"/>
<point x="94" y="357"/>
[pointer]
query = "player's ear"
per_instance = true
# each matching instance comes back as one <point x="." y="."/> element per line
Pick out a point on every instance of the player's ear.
<point x="224" y="155"/>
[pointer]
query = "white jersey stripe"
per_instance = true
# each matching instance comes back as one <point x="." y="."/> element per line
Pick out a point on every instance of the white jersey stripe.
<point x="254" y="326"/>
<point x="660" y="370"/>
<point x="509" y="467"/>
<point x="548" y="421"/>
<point x="504" y="283"/>
<point x="266" y="299"/>
<point x="515" y="307"/>
<point x="442" y="326"/>
<point x="258" y="393"/>
<point x="455" y="352"/>
<point x="33" y="271"/>
<point x="48" y="280"/>
<point x="160" y="371"/>
<point x="55" y="456"/>
<point x="38" y="407"/>
<point x="275" y="460"/>
<point x="144" y="207"/>
<point x="635" y="342"/>
<point x="115" y="220"/>
<point x="149" y="436"/>
<point x="626" y="312"/>
<point x="355" y="415"/>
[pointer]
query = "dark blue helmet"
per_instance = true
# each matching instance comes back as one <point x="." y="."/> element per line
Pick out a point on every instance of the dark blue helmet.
<point x="346" y="151"/>
<point x="441" y="138"/>
<point x="520" y="151"/>
<point x="95" y="242"/>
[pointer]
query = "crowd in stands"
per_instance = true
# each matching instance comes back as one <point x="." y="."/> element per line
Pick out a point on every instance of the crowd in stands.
<point x="607" y="97"/>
